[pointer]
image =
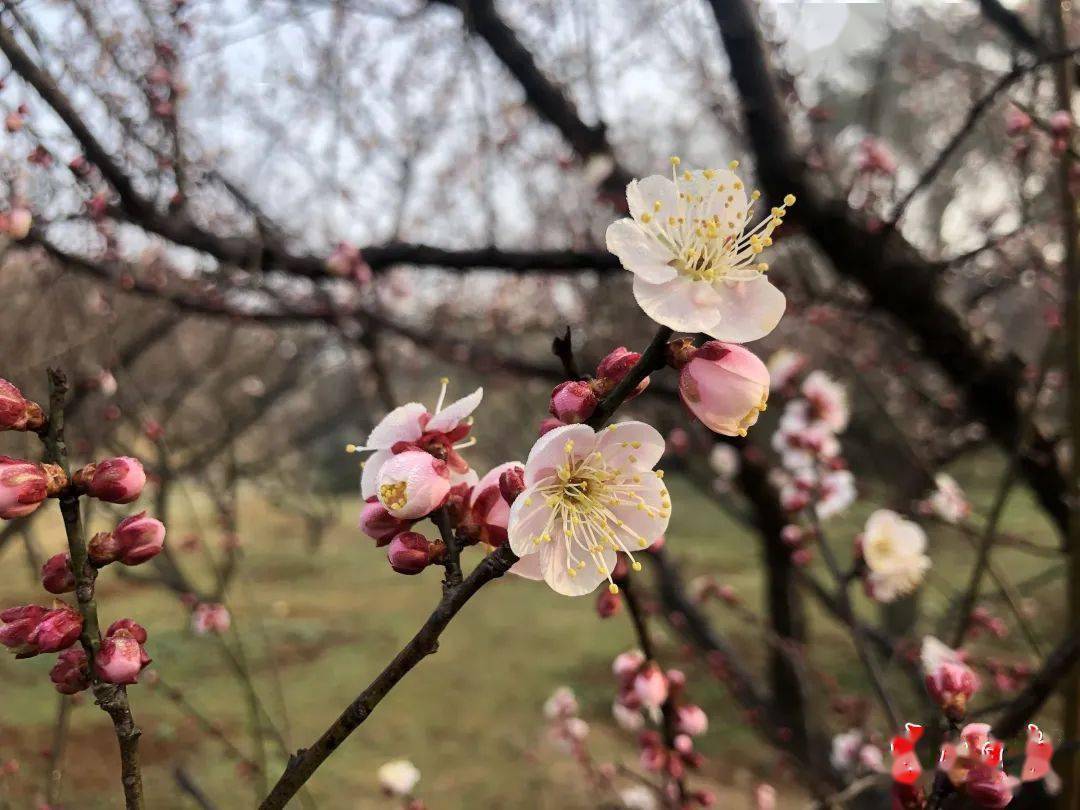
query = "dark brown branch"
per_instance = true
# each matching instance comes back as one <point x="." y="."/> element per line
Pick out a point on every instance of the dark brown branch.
<point x="1057" y="666"/>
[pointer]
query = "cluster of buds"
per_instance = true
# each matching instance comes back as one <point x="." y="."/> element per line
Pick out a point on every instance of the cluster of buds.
<point x="983" y="621"/>
<point x="971" y="766"/>
<point x="574" y="401"/>
<point x="30" y="630"/>
<point x="799" y="540"/>
<point x="724" y="385"/>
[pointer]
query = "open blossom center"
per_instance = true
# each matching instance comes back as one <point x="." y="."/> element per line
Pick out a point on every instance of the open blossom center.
<point x="394" y="495"/>
<point x="581" y="496"/>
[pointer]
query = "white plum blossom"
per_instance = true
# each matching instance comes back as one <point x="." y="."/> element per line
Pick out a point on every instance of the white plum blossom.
<point x="784" y="365"/>
<point x="638" y="797"/>
<point x="895" y="553"/>
<point x="587" y="496"/>
<point x="562" y="704"/>
<point x="694" y="255"/>
<point x="948" y="500"/>
<point x="724" y="460"/>
<point x="836" y="492"/>
<point x="627" y="719"/>
<point x="851" y="753"/>
<point x="413" y="425"/>
<point x="800" y="442"/>
<point x="827" y="401"/>
<point x="399" y="777"/>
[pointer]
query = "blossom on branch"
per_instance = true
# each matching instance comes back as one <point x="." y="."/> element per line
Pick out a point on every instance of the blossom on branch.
<point x="894" y="550"/>
<point x="694" y="255"/>
<point x="588" y="496"/>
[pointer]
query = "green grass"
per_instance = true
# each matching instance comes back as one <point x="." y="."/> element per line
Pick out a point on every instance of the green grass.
<point x="323" y="624"/>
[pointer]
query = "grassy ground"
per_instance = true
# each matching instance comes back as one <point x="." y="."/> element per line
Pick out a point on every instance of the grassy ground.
<point x="316" y="627"/>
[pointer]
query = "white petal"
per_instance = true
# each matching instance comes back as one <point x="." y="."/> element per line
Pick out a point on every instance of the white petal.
<point x="729" y="205"/>
<point x="639" y="251"/>
<point x="680" y="304"/>
<point x="468" y="477"/>
<point x="550" y="450"/>
<point x="643" y="525"/>
<point x="616" y="444"/>
<point x="528" y="567"/>
<point x="400" y="425"/>
<point x="529" y="517"/>
<point x="369" y="479"/>
<point x="642" y="194"/>
<point x="748" y="310"/>
<point x="449" y="417"/>
<point x="553" y="562"/>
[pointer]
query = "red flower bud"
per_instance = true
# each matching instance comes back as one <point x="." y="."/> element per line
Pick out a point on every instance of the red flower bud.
<point x="550" y="423"/>
<point x="988" y="786"/>
<point x="379" y="524"/>
<point x="139" y="539"/>
<point x="512" y="484"/>
<point x="116" y="480"/>
<point x="572" y="402"/>
<point x="103" y="549"/>
<point x="58" y="629"/>
<point x="71" y="673"/>
<point x="56" y="574"/>
<point x="136" y="630"/>
<point x="119" y="659"/>
<point x="608" y="604"/>
<point x="617" y="365"/>
<point x="651" y="686"/>
<point x="23" y="486"/>
<point x="16" y="411"/>
<point x="18" y="625"/>
<point x="692" y="720"/>
<point x="409" y="553"/>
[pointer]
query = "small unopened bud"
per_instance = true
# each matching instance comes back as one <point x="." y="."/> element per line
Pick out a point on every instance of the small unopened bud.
<point x="1017" y="122"/>
<point x="103" y="549"/>
<point x="409" y="553"/>
<point x="13" y="122"/>
<point x="651" y="686"/>
<point x="379" y="524"/>
<point x="23" y="486"/>
<point x="512" y="484"/>
<point x="19" y="221"/>
<point x="573" y="402"/>
<point x="549" y="423"/>
<point x="608" y="604"/>
<point x="617" y="365"/>
<point x="16" y="411"/>
<point x="210" y="617"/>
<point x="139" y="538"/>
<point x="56" y="574"/>
<point x="115" y="480"/>
<point x="71" y="672"/>
<point x="725" y="386"/>
<point x="626" y="665"/>
<point x="950" y="682"/>
<point x="692" y="720"/>
<point x="988" y="787"/>
<point x="58" y="629"/>
<point x="1060" y="122"/>
<point x="119" y="659"/>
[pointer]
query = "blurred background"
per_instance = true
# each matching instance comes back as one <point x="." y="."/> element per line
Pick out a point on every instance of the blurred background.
<point x="252" y="228"/>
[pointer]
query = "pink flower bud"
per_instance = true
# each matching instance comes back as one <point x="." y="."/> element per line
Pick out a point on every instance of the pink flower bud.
<point x="988" y="786"/>
<point x="139" y="538"/>
<point x="692" y="720"/>
<point x="626" y="665"/>
<point x="651" y="686"/>
<point x="209" y="617"/>
<point x="136" y="630"/>
<point x="18" y="625"/>
<point x="119" y="659"/>
<point x="951" y="685"/>
<point x="725" y="386"/>
<point x="103" y="548"/>
<point x="512" y="483"/>
<point x="1017" y="122"/>
<point x="19" y="222"/>
<point x="58" y="629"/>
<point x="572" y="402"/>
<point x="413" y="484"/>
<point x="117" y="480"/>
<point x="71" y="673"/>
<point x="617" y="365"/>
<point x="550" y="423"/>
<point x="608" y="604"/>
<point x="409" y="553"/>
<point x="765" y="797"/>
<point x="380" y="525"/>
<point x="16" y="411"/>
<point x="13" y="122"/>
<point x="1060" y="122"/>
<point x="56" y="574"/>
<point x="23" y="486"/>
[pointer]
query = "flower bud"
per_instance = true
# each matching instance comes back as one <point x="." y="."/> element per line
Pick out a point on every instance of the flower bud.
<point x="572" y="402"/>
<point x="550" y="423"/>
<point x="56" y="574"/>
<point x="103" y="548"/>
<point x="16" y="411"/>
<point x="58" y="629"/>
<point x="119" y="659"/>
<point x="725" y="386"/>
<point x="617" y="365"/>
<point x="692" y="720"/>
<point x="71" y="672"/>
<point x="115" y="480"/>
<point x="1017" y="122"/>
<point x="413" y="484"/>
<point x="18" y="625"/>
<point x="626" y="665"/>
<point x="19" y="221"/>
<point x="380" y="525"/>
<point x="409" y="553"/>
<point x="651" y="686"/>
<point x="512" y="483"/>
<point x="608" y="604"/>
<point x="130" y="626"/>
<point x="1060" y="122"/>
<point x="23" y="486"/>
<point x="950" y="681"/>
<point x="138" y="539"/>
<point x="210" y="617"/>
<point x="988" y="786"/>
